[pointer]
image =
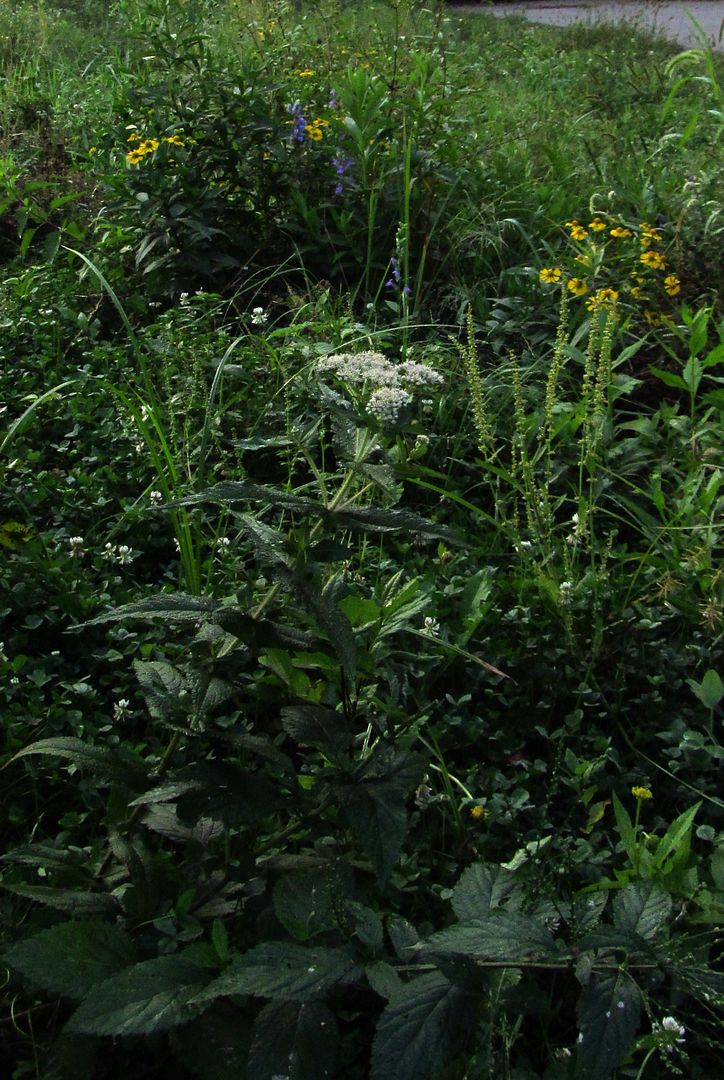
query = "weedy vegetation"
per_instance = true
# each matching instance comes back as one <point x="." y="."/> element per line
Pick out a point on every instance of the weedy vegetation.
<point x="361" y="601"/>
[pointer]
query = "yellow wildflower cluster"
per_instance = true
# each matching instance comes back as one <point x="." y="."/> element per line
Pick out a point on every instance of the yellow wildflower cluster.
<point x="315" y="129"/>
<point x="141" y="147"/>
<point x="603" y="300"/>
<point x="550" y="274"/>
<point x="641" y="793"/>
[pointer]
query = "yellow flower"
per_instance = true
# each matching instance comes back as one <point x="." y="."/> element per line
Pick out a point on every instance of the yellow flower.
<point x="672" y="285"/>
<point x="134" y="137"/>
<point x="621" y="233"/>
<point x="306" y="73"/>
<point x="641" y="793"/>
<point x="604" y="300"/>
<point x="93" y="151"/>
<point x="148" y="146"/>
<point x="550" y="274"/>
<point x="577" y="287"/>
<point x="134" y="156"/>
<point x="477" y="813"/>
<point x="652" y="318"/>
<point x="638" y="294"/>
<point x="597" y="225"/>
<point x="174" y="140"/>
<point x="578" y="232"/>
<point x="583" y="260"/>
<point x="314" y="131"/>
<point x="654" y="259"/>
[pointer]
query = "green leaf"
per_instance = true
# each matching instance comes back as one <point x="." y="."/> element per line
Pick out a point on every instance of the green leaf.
<point x="224" y="792"/>
<point x="117" y="766"/>
<point x="70" y="900"/>
<point x="625" y="828"/>
<point x="70" y="958"/>
<point x="295" y="1040"/>
<point x="262" y="633"/>
<point x="482" y="888"/>
<point x="324" y="729"/>
<point x="373" y="519"/>
<point x="668" y="377"/>
<point x="642" y="908"/>
<point x="677" y="839"/>
<point x="608" y="1015"/>
<point x="172" y="608"/>
<point x="162" y="686"/>
<point x="423" y="1027"/>
<point x="284" y="970"/>
<point x="710" y="690"/>
<point x="308" y="902"/>
<point x="374" y="806"/>
<point x="148" y="997"/>
<point x="502" y="935"/>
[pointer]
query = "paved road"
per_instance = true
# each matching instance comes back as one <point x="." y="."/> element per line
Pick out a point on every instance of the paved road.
<point x="669" y="18"/>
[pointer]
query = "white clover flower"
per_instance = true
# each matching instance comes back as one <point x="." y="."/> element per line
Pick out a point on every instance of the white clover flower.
<point x="76" y="546"/>
<point x="431" y="626"/>
<point x="387" y="403"/>
<point x="124" y="555"/>
<point x="258" y="316"/>
<point x="109" y="552"/>
<point x="223" y="544"/>
<point x="672" y="1027"/>
<point x="156" y="497"/>
<point x="121" y="709"/>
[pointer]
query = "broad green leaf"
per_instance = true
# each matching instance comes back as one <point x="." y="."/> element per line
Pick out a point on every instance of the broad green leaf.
<point x="483" y="887"/>
<point x="280" y="969"/>
<point x="668" y="377"/>
<point x="424" y="1026"/>
<point x="374" y="806"/>
<point x="148" y="997"/>
<point x="677" y="838"/>
<point x="70" y="958"/>
<point x="262" y="633"/>
<point x="608" y="1016"/>
<point x="372" y="519"/>
<point x="502" y="935"/>
<point x="642" y="908"/>
<point x="162" y="686"/>
<point x="324" y="729"/>
<point x="70" y="900"/>
<point x="383" y="979"/>
<point x="117" y="765"/>
<point x="710" y="690"/>
<point x="295" y="1040"/>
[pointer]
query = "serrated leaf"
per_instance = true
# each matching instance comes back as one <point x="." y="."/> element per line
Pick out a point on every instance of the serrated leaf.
<point x="383" y="979"/>
<point x="403" y="935"/>
<point x="482" y="888"/>
<point x="148" y="997"/>
<point x="118" y="765"/>
<point x="284" y="970"/>
<point x="262" y="633"/>
<point x="641" y="908"/>
<point x="70" y="958"/>
<point x="69" y="900"/>
<point x="374" y="519"/>
<point x="422" y="1028"/>
<point x="224" y="792"/>
<point x="317" y="726"/>
<point x="502" y="935"/>
<point x="608" y="1015"/>
<point x="174" y="607"/>
<point x="294" y="1040"/>
<point x="162" y="686"/>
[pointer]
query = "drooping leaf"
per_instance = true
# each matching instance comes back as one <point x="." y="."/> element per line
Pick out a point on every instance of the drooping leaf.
<point x="317" y="726"/>
<point x="284" y="970"/>
<point x="503" y="935"/>
<point x="148" y="997"/>
<point x="374" y="519"/>
<point x="118" y="765"/>
<point x="482" y="888"/>
<point x="171" y="607"/>
<point x="294" y="1039"/>
<point x="73" y="901"/>
<point x="422" y="1028"/>
<point x="72" y="957"/>
<point x="608" y="1016"/>
<point x="262" y="633"/>
<point x="162" y="686"/>
<point x="642" y="908"/>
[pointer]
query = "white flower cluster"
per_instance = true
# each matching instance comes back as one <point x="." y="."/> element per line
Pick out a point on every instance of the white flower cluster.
<point x="373" y="367"/>
<point x="121" y="554"/>
<point x="387" y="403"/>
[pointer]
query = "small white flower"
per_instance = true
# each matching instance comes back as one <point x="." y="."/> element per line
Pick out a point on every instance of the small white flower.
<point x="387" y="403"/>
<point x="76" y="546"/>
<point x="258" y="316"/>
<point x="156" y="497"/>
<point x="125" y="555"/>
<point x="121" y="709"/>
<point x="671" y="1025"/>
<point x="109" y="552"/>
<point x="524" y="545"/>
<point x="431" y="626"/>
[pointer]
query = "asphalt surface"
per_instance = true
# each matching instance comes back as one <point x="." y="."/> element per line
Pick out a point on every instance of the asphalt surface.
<point x="671" y="19"/>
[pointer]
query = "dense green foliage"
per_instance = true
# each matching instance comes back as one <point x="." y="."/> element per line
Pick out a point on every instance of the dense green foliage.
<point x="360" y="603"/>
